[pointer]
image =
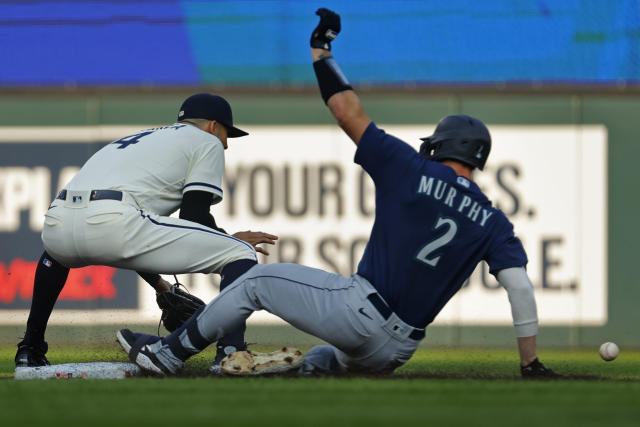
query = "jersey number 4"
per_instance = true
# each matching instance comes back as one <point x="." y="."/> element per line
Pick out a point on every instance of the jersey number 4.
<point x="427" y="254"/>
<point x="131" y="139"/>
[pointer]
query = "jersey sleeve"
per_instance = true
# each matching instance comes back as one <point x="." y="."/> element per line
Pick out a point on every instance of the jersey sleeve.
<point x="384" y="157"/>
<point x="506" y="250"/>
<point x="206" y="170"/>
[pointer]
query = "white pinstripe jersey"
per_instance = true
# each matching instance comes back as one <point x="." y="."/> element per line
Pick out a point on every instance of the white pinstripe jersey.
<point x="157" y="166"/>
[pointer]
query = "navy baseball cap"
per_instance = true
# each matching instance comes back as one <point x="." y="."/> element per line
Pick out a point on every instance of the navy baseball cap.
<point x="210" y="107"/>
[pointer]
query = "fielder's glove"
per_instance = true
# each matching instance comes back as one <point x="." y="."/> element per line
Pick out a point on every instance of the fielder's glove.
<point x="536" y="370"/>
<point x="177" y="306"/>
<point x="327" y="29"/>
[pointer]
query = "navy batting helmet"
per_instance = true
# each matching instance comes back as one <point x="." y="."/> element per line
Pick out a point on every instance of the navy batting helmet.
<point x="458" y="137"/>
<point x="210" y="107"/>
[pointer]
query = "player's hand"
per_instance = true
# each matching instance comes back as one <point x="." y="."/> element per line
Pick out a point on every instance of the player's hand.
<point x="254" y="238"/>
<point x="327" y="29"/>
<point x="536" y="370"/>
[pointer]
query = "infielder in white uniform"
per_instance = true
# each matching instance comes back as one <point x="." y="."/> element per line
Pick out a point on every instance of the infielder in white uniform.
<point x="433" y="225"/>
<point x="115" y="212"/>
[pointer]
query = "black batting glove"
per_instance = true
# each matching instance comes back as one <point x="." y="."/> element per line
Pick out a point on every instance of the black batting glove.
<point x="327" y="29"/>
<point x="536" y="370"/>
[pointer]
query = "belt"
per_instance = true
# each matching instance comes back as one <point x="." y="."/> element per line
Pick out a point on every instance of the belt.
<point x="385" y="311"/>
<point x="96" y="195"/>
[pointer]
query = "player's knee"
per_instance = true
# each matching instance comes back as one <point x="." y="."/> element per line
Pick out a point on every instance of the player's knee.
<point x="245" y="252"/>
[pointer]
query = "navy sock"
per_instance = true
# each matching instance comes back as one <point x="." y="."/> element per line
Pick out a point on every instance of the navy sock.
<point x="230" y="273"/>
<point x="233" y="270"/>
<point x="197" y="340"/>
<point x="48" y="283"/>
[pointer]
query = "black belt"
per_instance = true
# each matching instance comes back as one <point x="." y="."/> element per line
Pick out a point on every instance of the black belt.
<point x="96" y="195"/>
<point x="385" y="311"/>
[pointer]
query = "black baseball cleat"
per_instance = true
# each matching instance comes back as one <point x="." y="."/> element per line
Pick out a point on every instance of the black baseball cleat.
<point x="223" y="351"/>
<point x="137" y="346"/>
<point x="31" y="355"/>
<point x="537" y="371"/>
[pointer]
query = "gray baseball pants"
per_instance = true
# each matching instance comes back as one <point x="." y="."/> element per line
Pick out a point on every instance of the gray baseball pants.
<point x="329" y="306"/>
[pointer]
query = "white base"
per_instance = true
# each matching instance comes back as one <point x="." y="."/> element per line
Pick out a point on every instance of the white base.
<point x="92" y="370"/>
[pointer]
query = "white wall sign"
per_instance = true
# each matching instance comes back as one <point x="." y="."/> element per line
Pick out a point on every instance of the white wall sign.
<point x="300" y="183"/>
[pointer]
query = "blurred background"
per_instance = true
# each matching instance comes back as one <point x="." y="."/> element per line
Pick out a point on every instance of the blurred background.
<point x="557" y="82"/>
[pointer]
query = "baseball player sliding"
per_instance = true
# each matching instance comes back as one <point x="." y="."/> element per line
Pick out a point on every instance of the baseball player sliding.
<point x="432" y="227"/>
<point x="115" y="212"/>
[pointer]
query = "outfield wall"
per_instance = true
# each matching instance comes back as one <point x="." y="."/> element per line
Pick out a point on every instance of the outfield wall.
<point x="556" y="160"/>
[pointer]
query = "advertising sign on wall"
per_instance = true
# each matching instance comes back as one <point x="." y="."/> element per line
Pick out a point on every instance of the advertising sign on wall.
<point x="300" y="183"/>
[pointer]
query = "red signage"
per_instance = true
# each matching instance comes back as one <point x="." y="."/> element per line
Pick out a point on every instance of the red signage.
<point x="83" y="284"/>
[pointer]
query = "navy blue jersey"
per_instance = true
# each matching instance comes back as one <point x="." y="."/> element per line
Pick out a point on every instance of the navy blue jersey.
<point x="431" y="229"/>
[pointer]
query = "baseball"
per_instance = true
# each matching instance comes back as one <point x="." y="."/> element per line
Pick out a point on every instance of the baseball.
<point x="609" y="351"/>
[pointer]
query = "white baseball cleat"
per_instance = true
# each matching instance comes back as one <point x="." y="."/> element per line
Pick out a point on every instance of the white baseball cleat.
<point x="254" y="363"/>
<point x="136" y="345"/>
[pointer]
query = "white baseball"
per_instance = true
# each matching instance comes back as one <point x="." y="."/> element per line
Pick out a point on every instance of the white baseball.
<point x="609" y="351"/>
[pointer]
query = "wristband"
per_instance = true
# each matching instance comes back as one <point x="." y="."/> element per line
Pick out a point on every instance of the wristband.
<point x="331" y="80"/>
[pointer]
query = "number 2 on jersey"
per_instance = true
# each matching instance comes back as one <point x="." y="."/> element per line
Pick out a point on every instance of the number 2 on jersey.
<point x="131" y="139"/>
<point x="426" y="254"/>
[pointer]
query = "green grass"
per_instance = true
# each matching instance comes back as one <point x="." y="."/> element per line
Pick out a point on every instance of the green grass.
<point x="482" y="388"/>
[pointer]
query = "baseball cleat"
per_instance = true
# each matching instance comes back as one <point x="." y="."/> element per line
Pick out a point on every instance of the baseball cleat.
<point x="137" y="346"/>
<point x="254" y="363"/>
<point x="31" y="355"/>
<point x="536" y="370"/>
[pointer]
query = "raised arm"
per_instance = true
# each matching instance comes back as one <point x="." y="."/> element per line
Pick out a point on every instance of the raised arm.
<point x="336" y="91"/>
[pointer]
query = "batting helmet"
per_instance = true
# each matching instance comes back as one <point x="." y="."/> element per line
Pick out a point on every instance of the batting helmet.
<point x="458" y="137"/>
